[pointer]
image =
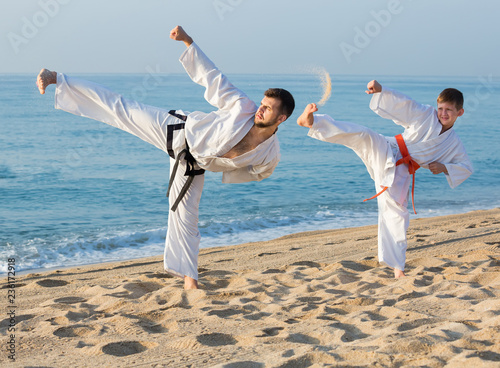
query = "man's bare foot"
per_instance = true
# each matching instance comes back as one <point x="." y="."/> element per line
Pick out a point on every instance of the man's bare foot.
<point x="398" y="273"/>
<point x="44" y="79"/>
<point x="307" y="118"/>
<point x="190" y="283"/>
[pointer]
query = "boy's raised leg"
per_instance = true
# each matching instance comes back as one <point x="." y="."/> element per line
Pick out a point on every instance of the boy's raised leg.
<point x="307" y="118"/>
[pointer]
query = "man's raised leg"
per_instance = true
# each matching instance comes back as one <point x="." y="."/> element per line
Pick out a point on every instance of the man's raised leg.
<point x="45" y="78"/>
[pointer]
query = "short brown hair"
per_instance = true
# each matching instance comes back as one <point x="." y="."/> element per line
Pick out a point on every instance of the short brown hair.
<point x="452" y="95"/>
<point x="286" y="98"/>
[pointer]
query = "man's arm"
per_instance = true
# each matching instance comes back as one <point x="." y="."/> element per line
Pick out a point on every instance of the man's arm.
<point x="220" y="92"/>
<point x="178" y="34"/>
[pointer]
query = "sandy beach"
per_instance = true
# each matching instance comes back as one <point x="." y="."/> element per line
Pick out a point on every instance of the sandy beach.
<point x="315" y="299"/>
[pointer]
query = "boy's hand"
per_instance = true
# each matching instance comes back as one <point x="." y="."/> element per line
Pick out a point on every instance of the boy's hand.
<point x="373" y="87"/>
<point x="178" y="34"/>
<point x="437" y="168"/>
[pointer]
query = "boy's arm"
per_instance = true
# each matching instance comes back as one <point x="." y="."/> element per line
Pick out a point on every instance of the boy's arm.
<point x="394" y="105"/>
<point x="437" y="168"/>
<point x="219" y="91"/>
<point x="456" y="171"/>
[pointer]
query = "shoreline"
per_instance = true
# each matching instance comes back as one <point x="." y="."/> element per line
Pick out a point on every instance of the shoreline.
<point x="317" y="297"/>
<point x="369" y="229"/>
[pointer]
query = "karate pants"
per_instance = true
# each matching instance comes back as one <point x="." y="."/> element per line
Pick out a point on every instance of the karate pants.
<point x="393" y="216"/>
<point x="161" y="129"/>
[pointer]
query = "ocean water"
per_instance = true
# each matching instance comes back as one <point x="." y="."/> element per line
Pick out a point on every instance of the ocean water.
<point x="74" y="191"/>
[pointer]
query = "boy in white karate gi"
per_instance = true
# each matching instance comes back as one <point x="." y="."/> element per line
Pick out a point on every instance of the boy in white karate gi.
<point x="427" y="141"/>
<point x="237" y="139"/>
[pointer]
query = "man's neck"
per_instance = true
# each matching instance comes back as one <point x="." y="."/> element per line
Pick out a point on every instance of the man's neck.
<point x="262" y="134"/>
<point x="255" y="136"/>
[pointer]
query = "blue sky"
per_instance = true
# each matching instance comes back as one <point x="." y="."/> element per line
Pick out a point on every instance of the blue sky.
<point x="366" y="37"/>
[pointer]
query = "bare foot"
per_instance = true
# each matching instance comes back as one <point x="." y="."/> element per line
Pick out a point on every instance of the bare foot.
<point x="190" y="283"/>
<point x="44" y="79"/>
<point x="398" y="273"/>
<point x="307" y="118"/>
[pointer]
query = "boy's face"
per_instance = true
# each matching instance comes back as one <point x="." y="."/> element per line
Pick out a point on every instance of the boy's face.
<point x="448" y="114"/>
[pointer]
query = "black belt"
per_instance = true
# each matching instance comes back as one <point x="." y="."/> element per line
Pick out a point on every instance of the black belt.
<point x="191" y="172"/>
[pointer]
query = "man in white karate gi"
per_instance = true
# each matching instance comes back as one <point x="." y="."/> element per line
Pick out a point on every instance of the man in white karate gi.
<point x="237" y="139"/>
<point x="427" y="141"/>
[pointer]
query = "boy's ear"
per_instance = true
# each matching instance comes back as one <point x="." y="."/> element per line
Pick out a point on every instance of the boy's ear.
<point x="461" y="112"/>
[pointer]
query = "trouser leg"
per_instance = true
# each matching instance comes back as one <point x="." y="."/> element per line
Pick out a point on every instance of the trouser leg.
<point x="183" y="237"/>
<point x="370" y="146"/>
<point x="159" y="128"/>
<point x="375" y="152"/>
<point x="393" y="221"/>
<point x="91" y="100"/>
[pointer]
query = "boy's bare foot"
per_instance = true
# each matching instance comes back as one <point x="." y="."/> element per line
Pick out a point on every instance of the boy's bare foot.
<point x="44" y="79"/>
<point x="307" y="118"/>
<point x="190" y="283"/>
<point x="398" y="273"/>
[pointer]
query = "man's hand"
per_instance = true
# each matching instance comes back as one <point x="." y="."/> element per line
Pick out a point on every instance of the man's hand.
<point x="373" y="87"/>
<point x="179" y="34"/>
<point x="307" y="118"/>
<point x="437" y="168"/>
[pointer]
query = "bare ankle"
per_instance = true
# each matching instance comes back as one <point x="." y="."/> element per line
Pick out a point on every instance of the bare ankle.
<point x="190" y="283"/>
<point x="398" y="273"/>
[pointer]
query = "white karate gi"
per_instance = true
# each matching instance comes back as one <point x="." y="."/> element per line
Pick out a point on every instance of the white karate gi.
<point x="208" y="135"/>
<point x="380" y="154"/>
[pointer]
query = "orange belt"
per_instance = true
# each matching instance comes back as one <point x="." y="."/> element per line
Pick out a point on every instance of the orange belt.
<point x="412" y="167"/>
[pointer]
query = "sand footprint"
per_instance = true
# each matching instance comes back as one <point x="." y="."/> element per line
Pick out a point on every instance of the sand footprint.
<point x="316" y="359"/>
<point x="125" y="348"/>
<point x="351" y="332"/>
<point x="216" y="339"/>
<point x="24" y="317"/>
<point x="303" y="339"/>
<point x="70" y="300"/>
<point x="272" y="331"/>
<point x="136" y="290"/>
<point x="76" y="331"/>
<point x="52" y="283"/>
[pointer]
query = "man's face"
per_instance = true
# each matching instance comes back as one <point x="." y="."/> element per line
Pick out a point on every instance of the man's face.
<point x="448" y="114"/>
<point x="269" y="112"/>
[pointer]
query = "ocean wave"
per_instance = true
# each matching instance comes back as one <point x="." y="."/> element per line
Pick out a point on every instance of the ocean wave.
<point x="73" y="250"/>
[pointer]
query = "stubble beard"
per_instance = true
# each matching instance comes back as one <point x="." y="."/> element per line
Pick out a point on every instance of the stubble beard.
<point x="263" y="124"/>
